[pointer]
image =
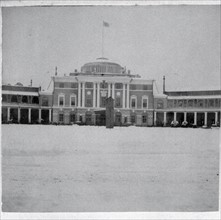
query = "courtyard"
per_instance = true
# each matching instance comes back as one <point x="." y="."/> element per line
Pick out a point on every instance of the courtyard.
<point x="48" y="168"/>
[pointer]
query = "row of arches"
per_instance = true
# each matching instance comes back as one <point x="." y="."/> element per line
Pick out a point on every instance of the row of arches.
<point x="20" y="99"/>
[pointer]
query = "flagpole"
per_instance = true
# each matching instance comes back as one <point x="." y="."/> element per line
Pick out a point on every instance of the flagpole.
<point x="102" y="49"/>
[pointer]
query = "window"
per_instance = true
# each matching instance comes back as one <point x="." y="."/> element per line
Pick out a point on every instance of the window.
<point x="74" y="85"/>
<point x="89" y="85"/>
<point x="217" y="102"/>
<point x="118" y="118"/>
<point x="206" y="103"/>
<point x="144" y="119"/>
<point x="175" y="103"/>
<point x="14" y="98"/>
<point x="61" y="100"/>
<point x="133" y="102"/>
<point x="125" y="119"/>
<point x="211" y="103"/>
<point x="132" y="87"/>
<point x="180" y="103"/>
<point x="44" y="101"/>
<point x="118" y="102"/>
<point x="61" y="117"/>
<point x="4" y="98"/>
<point x="200" y="103"/>
<point x="160" y="104"/>
<point x="118" y="86"/>
<point x="103" y="85"/>
<point x="73" y="100"/>
<point x="88" y="102"/>
<point x="141" y="87"/>
<point x="144" y="102"/>
<point x="61" y="85"/>
<point x="88" y="118"/>
<point x="133" y="119"/>
<point x="72" y="117"/>
<point x="24" y="99"/>
<point x="170" y="103"/>
<point x="103" y="102"/>
<point x="190" y="103"/>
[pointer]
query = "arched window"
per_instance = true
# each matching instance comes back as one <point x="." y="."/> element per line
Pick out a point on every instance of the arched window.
<point x="14" y="98"/>
<point x="24" y="99"/>
<point x="35" y="100"/>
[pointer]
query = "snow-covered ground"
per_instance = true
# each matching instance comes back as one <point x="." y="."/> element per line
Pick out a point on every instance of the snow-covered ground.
<point x="86" y="168"/>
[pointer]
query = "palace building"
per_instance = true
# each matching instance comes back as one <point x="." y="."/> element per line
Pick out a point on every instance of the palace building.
<point x="81" y="97"/>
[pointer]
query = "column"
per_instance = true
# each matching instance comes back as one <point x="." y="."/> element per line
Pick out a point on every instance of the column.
<point x="49" y="115"/>
<point x="216" y="117"/>
<point x="8" y="114"/>
<point x="113" y="90"/>
<point x="128" y="95"/>
<point x="185" y="114"/>
<point x="155" y="118"/>
<point x="98" y="95"/>
<point x="205" y="118"/>
<point x="109" y="90"/>
<point x="123" y="95"/>
<point x="174" y="118"/>
<point x="83" y="94"/>
<point x="19" y="115"/>
<point x="94" y="95"/>
<point x="195" y="118"/>
<point x="39" y="115"/>
<point x="165" y="118"/>
<point x="29" y="115"/>
<point x="79" y="95"/>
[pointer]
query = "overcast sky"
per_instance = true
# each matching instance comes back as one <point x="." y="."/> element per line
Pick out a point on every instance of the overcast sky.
<point x="180" y="42"/>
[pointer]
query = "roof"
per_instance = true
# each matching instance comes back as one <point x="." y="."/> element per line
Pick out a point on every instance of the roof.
<point x="8" y="92"/>
<point x="193" y="93"/>
<point x="20" y="88"/>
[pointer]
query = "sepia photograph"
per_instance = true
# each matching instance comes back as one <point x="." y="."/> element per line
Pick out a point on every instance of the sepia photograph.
<point x="110" y="108"/>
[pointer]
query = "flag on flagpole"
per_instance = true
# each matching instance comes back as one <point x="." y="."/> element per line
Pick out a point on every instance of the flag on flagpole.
<point x="105" y="24"/>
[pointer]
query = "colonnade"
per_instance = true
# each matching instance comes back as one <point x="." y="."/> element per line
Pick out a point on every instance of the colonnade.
<point x="96" y="94"/>
<point x="29" y="114"/>
<point x="185" y="117"/>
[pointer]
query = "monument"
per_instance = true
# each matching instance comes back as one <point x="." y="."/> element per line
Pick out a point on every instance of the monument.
<point x="109" y="112"/>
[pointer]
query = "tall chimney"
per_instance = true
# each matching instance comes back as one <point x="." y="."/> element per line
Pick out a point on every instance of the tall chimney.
<point x="164" y="84"/>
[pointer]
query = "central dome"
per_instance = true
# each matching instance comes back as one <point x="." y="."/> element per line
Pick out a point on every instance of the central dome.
<point x="101" y="65"/>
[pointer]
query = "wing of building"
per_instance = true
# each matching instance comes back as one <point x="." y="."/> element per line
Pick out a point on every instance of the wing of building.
<point x="80" y="98"/>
